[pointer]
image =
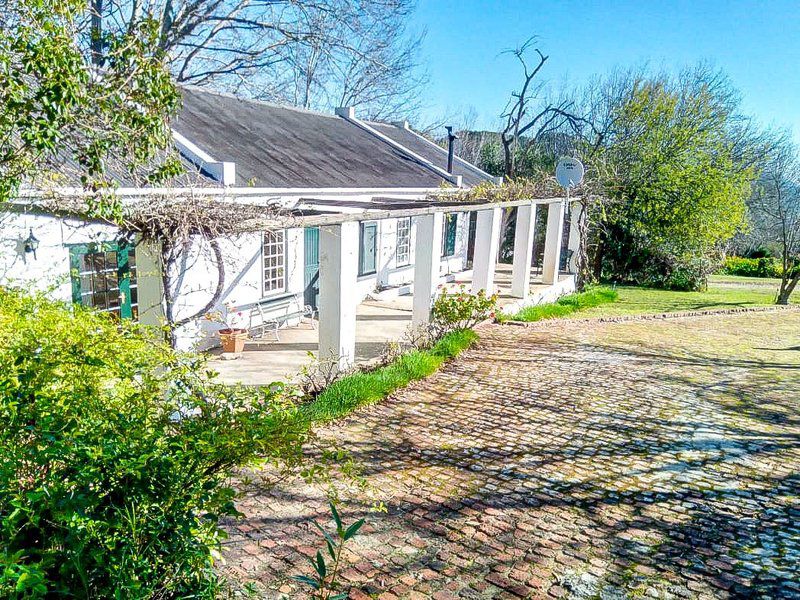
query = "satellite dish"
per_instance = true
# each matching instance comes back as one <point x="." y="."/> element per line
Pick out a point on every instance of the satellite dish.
<point x="569" y="172"/>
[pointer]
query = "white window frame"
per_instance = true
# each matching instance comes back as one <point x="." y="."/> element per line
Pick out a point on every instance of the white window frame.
<point x="273" y="248"/>
<point x="403" y="246"/>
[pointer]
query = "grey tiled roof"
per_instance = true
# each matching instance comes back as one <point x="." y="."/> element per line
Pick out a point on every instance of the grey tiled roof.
<point x="276" y="146"/>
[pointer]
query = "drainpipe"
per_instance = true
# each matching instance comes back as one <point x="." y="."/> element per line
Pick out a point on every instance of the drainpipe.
<point x="451" y="140"/>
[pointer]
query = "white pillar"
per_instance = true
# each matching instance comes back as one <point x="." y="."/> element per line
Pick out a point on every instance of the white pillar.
<point x="523" y="250"/>
<point x="338" y="271"/>
<point x="575" y="210"/>
<point x="552" y="242"/>
<point x="487" y="243"/>
<point x="427" y="259"/>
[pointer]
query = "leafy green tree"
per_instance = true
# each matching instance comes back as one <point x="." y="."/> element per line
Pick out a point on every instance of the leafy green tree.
<point x="115" y="456"/>
<point x="58" y="108"/>
<point x="676" y="164"/>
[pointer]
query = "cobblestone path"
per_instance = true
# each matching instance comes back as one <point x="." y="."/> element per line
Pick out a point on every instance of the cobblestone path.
<point x="617" y="460"/>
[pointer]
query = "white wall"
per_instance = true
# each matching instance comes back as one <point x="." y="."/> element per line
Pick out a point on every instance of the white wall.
<point x="50" y="269"/>
<point x="244" y="281"/>
<point x="389" y="274"/>
<point x="198" y="273"/>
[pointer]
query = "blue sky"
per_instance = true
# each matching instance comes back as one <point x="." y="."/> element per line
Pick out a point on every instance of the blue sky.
<point x="756" y="43"/>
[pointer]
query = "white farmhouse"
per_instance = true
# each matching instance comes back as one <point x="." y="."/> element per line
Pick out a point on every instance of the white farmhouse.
<point x="362" y="220"/>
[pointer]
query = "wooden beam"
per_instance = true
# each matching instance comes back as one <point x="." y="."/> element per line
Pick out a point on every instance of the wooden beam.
<point x="284" y="217"/>
<point x="370" y="215"/>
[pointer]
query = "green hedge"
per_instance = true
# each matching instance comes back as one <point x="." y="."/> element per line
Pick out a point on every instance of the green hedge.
<point x="564" y="306"/>
<point x="115" y="454"/>
<point x="345" y="395"/>
<point x="752" y="267"/>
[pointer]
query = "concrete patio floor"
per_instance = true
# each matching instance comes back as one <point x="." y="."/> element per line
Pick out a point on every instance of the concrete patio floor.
<point x="380" y="319"/>
<point x="264" y="362"/>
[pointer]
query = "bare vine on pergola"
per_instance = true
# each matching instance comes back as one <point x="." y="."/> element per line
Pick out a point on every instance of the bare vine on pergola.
<point x="174" y="225"/>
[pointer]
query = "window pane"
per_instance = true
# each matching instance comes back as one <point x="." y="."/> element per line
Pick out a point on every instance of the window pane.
<point x="368" y="248"/>
<point x="273" y="253"/>
<point x="99" y="282"/>
<point x="403" y="241"/>
<point x="449" y="234"/>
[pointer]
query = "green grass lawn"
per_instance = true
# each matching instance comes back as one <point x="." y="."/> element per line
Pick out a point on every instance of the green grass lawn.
<point x="344" y="396"/>
<point x="724" y="291"/>
<point x="564" y="306"/>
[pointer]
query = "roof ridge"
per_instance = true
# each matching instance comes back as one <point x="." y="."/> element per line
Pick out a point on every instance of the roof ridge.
<point x="205" y="90"/>
<point x="470" y="166"/>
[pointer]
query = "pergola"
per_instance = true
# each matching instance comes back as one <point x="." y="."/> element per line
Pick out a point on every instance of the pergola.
<point x="338" y="222"/>
<point x="338" y="219"/>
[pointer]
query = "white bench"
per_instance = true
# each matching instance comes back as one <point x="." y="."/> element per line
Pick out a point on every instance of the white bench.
<point x="267" y="316"/>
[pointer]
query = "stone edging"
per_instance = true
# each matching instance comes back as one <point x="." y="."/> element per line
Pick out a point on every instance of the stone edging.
<point x="655" y="317"/>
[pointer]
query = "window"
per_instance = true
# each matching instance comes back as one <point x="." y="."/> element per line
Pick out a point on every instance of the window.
<point x="368" y="249"/>
<point x="449" y="234"/>
<point x="104" y="277"/>
<point x="274" y="256"/>
<point x="403" y="253"/>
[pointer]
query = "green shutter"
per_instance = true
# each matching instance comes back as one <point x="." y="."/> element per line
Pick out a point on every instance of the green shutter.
<point x="367" y="254"/>
<point x="450" y="228"/>
<point x="124" y="279"/>
<point x="311" y="249"/>
<point x="76" y="254"/>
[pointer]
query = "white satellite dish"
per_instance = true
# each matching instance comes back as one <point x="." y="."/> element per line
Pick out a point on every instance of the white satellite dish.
<point x="569" y="172"/>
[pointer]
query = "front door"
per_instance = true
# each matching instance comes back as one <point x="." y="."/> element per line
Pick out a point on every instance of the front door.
<point x="104" y="277"/>
<point x="311" y="245"/>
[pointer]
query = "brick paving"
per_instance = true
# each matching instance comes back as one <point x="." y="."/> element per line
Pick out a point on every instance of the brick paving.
<point x="582" y="460"/>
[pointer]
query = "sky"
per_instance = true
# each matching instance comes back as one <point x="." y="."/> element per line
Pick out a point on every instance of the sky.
<point x="757" y="43"/>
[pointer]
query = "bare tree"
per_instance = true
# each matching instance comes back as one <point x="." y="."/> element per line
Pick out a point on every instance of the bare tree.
<point x="379" y="72"/>
<point x="775" y="210"/>
<point x="527" y="114"/>
<point x="311" y="53"/>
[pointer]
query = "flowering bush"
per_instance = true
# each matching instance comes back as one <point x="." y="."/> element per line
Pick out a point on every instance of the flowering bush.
<point x="232" y="319"/>
<point x="462" y="310"/>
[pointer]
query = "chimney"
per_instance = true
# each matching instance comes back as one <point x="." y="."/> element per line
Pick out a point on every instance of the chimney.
<point x="348" y="112"/>
<point x="451" y="140"/>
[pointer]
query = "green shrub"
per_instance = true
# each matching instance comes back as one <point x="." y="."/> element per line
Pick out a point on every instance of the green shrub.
<point x="350" y="392"/>
<point x="752" y="267"/>
<point x="114" y="456"/>
<point x="566" y="305"/>
<point x="452" y="311"/>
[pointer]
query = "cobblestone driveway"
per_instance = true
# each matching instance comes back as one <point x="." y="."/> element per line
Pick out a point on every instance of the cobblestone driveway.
<point x="639" y="459"/>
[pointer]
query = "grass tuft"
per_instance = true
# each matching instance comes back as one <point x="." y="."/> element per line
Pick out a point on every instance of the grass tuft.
<point x="566" y="305"/>
<point x="344" y="396"/>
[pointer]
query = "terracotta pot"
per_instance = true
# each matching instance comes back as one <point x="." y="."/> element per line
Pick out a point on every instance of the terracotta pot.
<point x="233" y="340"/>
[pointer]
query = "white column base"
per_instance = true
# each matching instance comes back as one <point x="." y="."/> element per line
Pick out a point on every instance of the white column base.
<point x="552" y="242"/>
<point x="426" y="266"/>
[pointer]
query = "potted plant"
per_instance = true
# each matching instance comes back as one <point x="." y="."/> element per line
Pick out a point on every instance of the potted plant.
<point x="233" y="335"/>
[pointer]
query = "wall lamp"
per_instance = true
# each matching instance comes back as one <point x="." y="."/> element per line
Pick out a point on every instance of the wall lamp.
<point x="31" y="244"/>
